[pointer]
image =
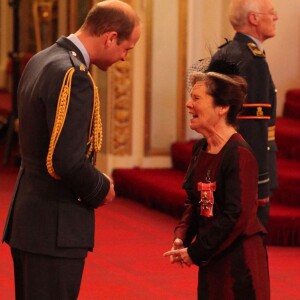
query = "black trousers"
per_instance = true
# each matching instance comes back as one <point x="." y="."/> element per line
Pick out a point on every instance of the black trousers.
<point x="42" y="277"/>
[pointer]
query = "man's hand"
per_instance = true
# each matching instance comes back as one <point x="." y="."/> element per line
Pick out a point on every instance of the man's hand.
<point x="111" y="193"/>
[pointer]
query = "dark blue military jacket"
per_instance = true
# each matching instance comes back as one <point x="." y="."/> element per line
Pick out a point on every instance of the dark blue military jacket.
<point x="50" y="216"/>
<point x="257" y="122"/>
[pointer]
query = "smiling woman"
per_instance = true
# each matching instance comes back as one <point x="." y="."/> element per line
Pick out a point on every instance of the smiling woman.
<point x="219" y="230"/>
<point x="212" y="112"/>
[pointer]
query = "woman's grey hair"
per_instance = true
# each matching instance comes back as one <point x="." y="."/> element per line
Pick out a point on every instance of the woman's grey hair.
<point x="226" y="90"/>
<point x="201" y="76"/>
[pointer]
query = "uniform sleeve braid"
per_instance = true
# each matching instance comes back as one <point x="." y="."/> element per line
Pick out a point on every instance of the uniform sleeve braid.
<point x="61" y="112"/>
<point x="95" y="131"/>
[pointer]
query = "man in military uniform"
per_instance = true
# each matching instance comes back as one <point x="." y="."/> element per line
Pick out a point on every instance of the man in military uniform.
<point x="254" y="22"/>
<point x="50" y="225"/>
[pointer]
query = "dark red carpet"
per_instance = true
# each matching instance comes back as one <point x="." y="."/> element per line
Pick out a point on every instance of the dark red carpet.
<point x="127" y="262"/>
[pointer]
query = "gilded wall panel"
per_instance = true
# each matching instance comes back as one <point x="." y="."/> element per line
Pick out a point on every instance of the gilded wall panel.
<point x="120" y="99"/>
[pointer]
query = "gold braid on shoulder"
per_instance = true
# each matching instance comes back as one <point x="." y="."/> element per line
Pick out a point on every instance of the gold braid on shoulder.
<point x="95" y="131"/>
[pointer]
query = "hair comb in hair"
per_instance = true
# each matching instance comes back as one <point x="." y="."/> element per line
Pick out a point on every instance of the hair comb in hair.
<point x="216" y="67"/>
<point x="223" y="66"/>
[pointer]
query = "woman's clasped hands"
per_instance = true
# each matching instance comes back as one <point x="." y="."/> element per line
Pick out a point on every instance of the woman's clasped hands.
<point x="178" y="254"/>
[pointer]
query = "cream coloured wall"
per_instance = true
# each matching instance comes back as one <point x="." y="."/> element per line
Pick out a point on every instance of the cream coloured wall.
<point x="207" y="28"/>
<point x="164" y="52"/>
<point x="283" y="51"/>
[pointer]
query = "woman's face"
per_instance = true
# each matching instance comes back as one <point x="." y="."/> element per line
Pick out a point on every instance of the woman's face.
<point x="204" y="114"/>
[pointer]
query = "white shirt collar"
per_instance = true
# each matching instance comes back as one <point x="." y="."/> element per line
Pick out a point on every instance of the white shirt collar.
<point x="258" y="42"/>
<point x="72" y="37"/>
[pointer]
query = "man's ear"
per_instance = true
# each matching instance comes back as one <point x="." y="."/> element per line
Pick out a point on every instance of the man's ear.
<point x="252" y="18"/>
<point x="111" y="37"/>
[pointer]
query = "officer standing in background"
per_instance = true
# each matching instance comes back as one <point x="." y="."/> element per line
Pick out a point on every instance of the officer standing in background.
<point x="254" y="22"/>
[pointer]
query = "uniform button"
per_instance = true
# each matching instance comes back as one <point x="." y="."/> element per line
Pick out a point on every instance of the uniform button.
<point x="79" y="199"/>
<point x="269" y="148"/>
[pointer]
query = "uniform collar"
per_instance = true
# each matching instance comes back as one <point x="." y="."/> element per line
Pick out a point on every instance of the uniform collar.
<point x="75" y="40"/>
<point x="245" y="37"/>
<point x="257" y="42"/>
<point x="70" y="46"/>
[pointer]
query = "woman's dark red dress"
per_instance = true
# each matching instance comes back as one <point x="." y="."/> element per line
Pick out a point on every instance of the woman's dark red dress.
<point x="228" y="247"/>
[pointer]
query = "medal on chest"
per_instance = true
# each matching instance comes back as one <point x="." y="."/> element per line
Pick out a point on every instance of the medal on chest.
<point x="206" y="201"/>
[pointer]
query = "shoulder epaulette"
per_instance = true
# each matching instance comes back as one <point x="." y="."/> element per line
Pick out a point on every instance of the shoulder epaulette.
<point x="226" y="43"/>
<point x="255" y="50"/>
<point x="76" y="62"/>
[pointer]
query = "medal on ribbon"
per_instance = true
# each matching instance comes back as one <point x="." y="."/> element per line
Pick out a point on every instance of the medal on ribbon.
<point x="206" y="197"/>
